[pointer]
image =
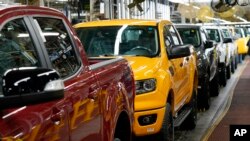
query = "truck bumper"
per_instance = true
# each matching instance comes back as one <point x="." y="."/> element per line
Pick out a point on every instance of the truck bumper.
<point x="148" y="122"/>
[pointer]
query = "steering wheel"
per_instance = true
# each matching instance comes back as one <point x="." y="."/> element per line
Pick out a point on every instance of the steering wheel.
<point x="141" y="48"/>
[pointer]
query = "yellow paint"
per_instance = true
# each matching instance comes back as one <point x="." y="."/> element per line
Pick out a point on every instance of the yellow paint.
<point x="242" y="45"/>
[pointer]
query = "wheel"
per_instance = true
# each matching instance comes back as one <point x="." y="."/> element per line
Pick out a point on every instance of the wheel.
<point x="167" y="130"/>
<point x="228" y="71"/>
<point x="214" y="85"/>
<point x="243" y="57"/>
<point x="141" y="48"/>
<point x="233" y="66"/>
<point x="204" y="94"/>
<point x="223" y="75"/>
<point x="236" y="63"/>
<point x="191" y="120"/>
<point x="140" y="51"/>
<point x="122" y="130"/>
<point x="240" y="58"/>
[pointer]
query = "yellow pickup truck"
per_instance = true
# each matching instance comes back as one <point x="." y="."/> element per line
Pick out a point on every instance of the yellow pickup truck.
<point x="164" y="69"/>
<point x="241" y="42"/>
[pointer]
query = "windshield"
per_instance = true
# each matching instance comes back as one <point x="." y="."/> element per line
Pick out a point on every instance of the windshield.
<point x="190" y="36"/>
<point x="119" y="40"/>
<point x="213" y="34"/>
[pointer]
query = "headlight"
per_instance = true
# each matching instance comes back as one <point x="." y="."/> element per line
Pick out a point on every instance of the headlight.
<point x="144" y="86"/>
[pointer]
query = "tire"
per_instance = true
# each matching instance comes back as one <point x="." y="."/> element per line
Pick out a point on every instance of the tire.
<point x="191" y="120"/>
<point x="240" y="58"/>
<point x="243" y="57"/>
<point x="233" y="66"/>
<point x="167" y="130"/>
<point x="223" y="75"/>
<point x="236" y="63"/>
<point x="122" y="130"/>
<point x="229" y="71"/>
<point x="204" y="95"/>
<point x="214" y="85"/>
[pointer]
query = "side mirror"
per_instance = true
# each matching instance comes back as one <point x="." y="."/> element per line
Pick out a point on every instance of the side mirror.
<point x="209" y="44"/>
<point x="29" y="85"/>
<point x="179" y="51"/>
<point x="227" y="40"/>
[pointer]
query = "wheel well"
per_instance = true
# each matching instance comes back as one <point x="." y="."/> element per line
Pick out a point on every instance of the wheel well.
<point x="123" y="127"/>
<point x="170" y="97"/>
<point x="196" y="80"/>
<point x="208" y="71"/>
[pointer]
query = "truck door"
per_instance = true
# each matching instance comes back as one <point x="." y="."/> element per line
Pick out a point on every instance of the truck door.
<point x="39" y="121"/>
<point x="211" y="53"/>
<point x="81" y="86"/>
<point x="181" y="67"/>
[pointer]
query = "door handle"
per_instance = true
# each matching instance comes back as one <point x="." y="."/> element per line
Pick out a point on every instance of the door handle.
<point x="57" y="115"/>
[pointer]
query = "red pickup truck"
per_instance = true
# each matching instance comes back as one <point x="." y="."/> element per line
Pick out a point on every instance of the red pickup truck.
<point x="50" y="90"/>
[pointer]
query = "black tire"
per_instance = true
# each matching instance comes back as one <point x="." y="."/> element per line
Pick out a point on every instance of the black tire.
<point x="229" y="71"/>
<point x="236" y="63"/>
<point x="214" y="85"/>
<point x="122" y="131"/>
<point x="223" y="75"/>
<point x="240" y="58"/>
<point x="204" y="95"/>
<point x="233" y="66"/>
<point x="191" y="120"/>
<point x="167" y="130"/>
<point x="243" y="57"/>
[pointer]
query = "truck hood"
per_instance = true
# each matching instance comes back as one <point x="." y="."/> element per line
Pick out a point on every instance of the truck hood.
<point x="144" y="67"/>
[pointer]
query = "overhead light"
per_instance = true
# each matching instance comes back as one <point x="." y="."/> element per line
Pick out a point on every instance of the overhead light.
<point x="187" y="1"/>
<point x="242" y="19"/>
<point x="196" y="7"/>
<point x="216" y="19"/>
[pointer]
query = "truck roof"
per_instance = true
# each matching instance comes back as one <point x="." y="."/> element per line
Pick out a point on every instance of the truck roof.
<point x="120" y="22"/>
<point x="7" y="11"/>
<point x="7" y="8"/>
<point x="187" y="25"/>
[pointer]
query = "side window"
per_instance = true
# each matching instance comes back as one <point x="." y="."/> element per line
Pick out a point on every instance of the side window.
<point x="16" y="46"/>
<point x="58" y="45"/>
